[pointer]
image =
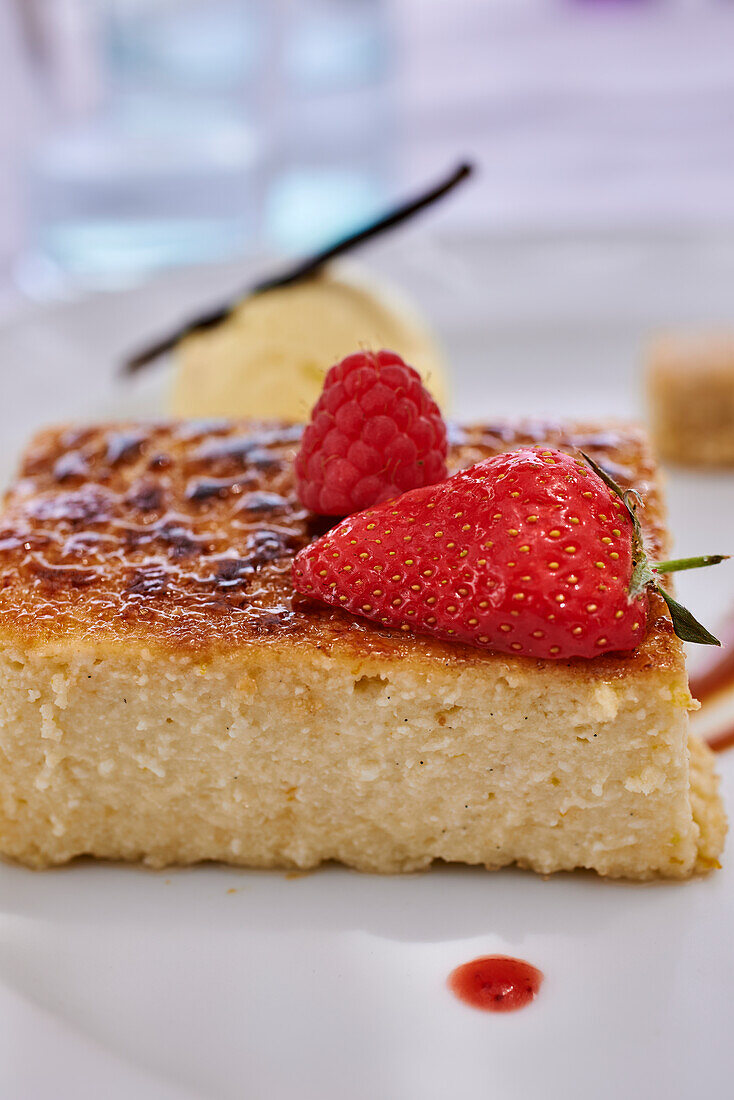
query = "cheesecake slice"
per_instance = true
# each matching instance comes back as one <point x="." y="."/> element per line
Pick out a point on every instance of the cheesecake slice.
<point x="166" y="696"/>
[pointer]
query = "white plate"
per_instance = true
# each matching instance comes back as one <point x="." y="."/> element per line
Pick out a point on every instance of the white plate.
<point x="120" y="983"/>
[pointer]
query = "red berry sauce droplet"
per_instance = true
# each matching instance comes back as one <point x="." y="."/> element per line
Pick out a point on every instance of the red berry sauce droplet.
<point x="496" y="983"/>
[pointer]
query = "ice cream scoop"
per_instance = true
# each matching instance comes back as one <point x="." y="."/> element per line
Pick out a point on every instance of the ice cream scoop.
<point x="268" y="358"/>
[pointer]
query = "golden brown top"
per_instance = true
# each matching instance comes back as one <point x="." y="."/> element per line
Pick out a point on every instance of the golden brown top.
<point x="180" y="536"/>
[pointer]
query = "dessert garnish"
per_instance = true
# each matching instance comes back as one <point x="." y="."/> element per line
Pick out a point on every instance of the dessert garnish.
<point x="303" y="269"/>
<point x="645" y="573"/>
<point x="534" y="552"/>
<point x="713" y="686"/>
<point x="722" y="740"/>
<point x="374" y="433"/>
<point x="716" y="678"/>
<point x="496" y="983"/>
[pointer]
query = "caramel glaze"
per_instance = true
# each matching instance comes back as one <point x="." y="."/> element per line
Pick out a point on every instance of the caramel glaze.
<point x="180" y="536"/>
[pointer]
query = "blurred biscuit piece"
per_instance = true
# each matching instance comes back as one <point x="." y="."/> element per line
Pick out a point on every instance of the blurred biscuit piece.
<point x="690" y="395"/>
<point x="269" y="357"/>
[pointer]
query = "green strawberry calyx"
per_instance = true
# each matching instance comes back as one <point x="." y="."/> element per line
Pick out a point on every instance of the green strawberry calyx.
<point x="645" y="573"/>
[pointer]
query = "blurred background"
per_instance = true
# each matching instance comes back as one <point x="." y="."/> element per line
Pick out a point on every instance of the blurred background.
<point x="138" y="135"/>
<point x="159" y="155"/>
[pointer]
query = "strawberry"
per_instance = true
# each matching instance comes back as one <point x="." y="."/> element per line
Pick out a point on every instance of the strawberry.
<point x="374" y="433"/>
<point x="534" y="552"/>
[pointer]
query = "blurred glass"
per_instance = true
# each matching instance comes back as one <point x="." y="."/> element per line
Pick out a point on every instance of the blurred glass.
<point x="334" y="120"/>
<point x="207" y="128"/>
<point x="334" y="44"/>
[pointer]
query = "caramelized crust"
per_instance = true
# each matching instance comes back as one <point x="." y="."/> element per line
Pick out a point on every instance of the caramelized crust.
<point x="180" y="536"/>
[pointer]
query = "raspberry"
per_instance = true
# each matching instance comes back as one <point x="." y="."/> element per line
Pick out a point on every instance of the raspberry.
<point x="374" y="433"/>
